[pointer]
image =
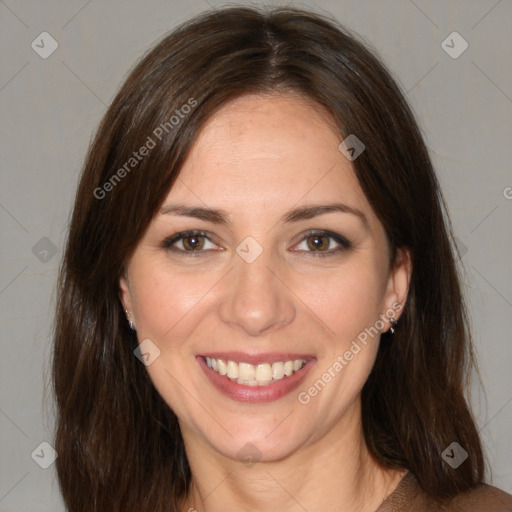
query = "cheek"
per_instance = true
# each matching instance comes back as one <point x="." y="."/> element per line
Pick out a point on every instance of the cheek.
<point x="349" y="304"/>
<point x="348" y="301"/>
<point x="164" y="300"/>
<point x="168" y="306"/>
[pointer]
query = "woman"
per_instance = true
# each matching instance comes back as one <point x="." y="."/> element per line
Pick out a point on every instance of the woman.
<point x="259" y="307"/>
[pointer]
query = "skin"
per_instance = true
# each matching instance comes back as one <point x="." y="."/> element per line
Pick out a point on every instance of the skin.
<point x="257" y="158"/>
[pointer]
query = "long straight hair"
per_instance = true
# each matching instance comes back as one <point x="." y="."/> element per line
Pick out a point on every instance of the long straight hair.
<point x="119" y="444"/>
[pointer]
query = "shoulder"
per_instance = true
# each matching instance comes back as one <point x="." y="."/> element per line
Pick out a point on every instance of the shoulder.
<point x="409" y="497"/>
<point x="483" y="498"/>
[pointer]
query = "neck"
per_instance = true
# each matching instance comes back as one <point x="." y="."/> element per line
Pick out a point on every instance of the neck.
<point x="334" y="473"/>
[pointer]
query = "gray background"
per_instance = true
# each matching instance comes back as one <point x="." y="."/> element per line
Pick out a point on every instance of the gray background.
<point x="50" y="107"/>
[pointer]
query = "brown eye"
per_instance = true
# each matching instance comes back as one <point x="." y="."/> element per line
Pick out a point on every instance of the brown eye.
<point x="190" y="243"/>
<point x="318" y="242"/>
<point x="323" y="243"/>
<point x="193" y="242"/>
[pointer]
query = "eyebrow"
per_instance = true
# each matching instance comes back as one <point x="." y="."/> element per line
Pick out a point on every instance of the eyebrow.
<point x="218" y="216"/>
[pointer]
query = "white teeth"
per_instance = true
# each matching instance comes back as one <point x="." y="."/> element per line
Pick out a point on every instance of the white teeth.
<point x="247" y="382"/>
<point x="245" y="371"/>
<point x="263" y="372"/>
<point x="232" y="370"/>
<point x="222" y="366"/>
<point x="277" y="370"/>
<point x="255" y="375"/>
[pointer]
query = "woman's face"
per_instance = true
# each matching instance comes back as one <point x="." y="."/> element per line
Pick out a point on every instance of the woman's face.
<point x="268" y="275"/>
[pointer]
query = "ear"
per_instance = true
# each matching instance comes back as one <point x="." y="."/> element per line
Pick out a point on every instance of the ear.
<point x="398" y="283"/>
<point x="124" y="292"/>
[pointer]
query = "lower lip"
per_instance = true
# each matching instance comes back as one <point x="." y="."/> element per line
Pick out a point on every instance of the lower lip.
<point x="255" y="394"/>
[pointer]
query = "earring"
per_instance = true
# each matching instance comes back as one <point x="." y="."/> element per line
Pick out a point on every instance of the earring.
<point x="130" y="321"/>
<point x="393" y="322"/>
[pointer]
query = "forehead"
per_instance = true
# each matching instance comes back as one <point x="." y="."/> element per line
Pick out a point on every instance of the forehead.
<point x="268" y="151"/>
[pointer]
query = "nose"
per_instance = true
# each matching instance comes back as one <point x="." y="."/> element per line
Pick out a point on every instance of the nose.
<point x="256" y="299"/>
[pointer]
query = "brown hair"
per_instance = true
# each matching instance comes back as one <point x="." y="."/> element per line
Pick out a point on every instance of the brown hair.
<point x="119" y="444"/>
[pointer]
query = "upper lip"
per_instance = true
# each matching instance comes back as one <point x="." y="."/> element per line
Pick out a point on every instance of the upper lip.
<point x="263" y="357"/>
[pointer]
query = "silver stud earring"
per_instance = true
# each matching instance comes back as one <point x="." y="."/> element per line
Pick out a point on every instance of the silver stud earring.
<point x="392" y="321"/>
<point x="130" y="321"/>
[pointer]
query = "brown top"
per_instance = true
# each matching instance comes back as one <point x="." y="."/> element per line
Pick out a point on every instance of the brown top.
<point x="409" y="497"/>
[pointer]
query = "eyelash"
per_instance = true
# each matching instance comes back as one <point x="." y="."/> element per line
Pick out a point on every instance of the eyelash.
<point x="344" y="244"/>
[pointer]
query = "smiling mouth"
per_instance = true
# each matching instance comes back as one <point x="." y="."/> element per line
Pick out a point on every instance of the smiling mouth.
<point x="262" y="374"/>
